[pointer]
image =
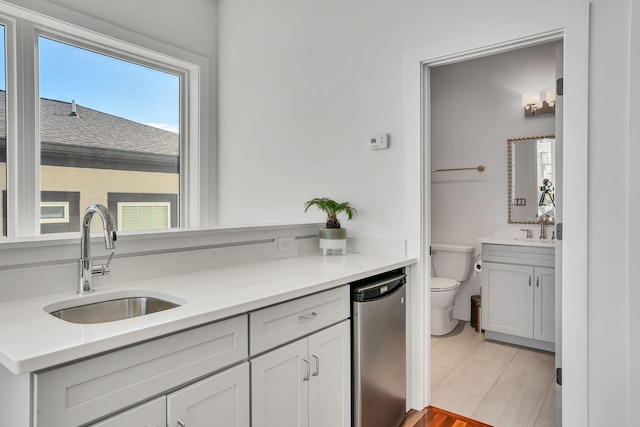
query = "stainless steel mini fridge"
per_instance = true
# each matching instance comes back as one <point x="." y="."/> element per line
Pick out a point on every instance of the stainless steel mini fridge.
<point x="379" y="350"/>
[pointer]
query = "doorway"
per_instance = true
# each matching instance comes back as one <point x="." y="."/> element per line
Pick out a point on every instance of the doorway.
<point x="475" y="109"/>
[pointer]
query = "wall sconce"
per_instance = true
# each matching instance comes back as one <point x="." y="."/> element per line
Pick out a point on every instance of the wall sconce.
<point x="538" y="104"/>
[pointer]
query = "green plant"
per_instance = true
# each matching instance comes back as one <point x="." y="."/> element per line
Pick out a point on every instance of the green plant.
<point x="332" y="209"/>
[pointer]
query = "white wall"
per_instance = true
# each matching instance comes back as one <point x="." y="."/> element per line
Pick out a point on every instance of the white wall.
<point x="476" y="106"/>
<point x="303" y="84"/>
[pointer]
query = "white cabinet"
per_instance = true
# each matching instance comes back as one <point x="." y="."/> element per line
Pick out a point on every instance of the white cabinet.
<point x="91" y="389"/>
<point x="220" y="400"/>
<point x="304" y="383"/>
<point x="150" y="414"/>
<point x="307" y="381"/>
<point x="518" y="295"/>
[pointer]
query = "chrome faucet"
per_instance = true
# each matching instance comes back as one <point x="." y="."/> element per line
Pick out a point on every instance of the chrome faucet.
<point x="87" y="270"/>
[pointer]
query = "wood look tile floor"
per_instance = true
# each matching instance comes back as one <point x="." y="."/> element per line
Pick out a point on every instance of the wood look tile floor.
<point x="500" y="385"/>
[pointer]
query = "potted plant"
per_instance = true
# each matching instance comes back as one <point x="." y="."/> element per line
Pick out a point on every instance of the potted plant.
<point x="332" y="236"/>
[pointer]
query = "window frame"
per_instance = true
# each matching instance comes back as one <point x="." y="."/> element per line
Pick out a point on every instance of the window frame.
<point x="23" y="28"/>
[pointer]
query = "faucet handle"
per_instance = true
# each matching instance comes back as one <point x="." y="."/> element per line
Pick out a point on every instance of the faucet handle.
<point x="103" y="269"/>
<point x="528" y="236"/>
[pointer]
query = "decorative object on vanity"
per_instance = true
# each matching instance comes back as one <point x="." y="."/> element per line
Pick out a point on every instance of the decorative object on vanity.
<point x="332" y="237"/>
<point x="530" y="176"/>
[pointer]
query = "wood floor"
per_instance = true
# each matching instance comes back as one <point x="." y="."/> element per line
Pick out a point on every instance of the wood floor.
<point x="435" y="417"/>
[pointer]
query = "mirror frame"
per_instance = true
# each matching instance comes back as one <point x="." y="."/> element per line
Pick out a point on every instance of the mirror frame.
<point x="510" y="142"/>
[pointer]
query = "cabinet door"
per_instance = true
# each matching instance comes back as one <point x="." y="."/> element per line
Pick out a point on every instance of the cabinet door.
<point x="280" y="388"/>
<point x="150" y="414"/>
<point x="330" y="383"/>
<point x="544" y="304"/>
<point x="220" y="400"/>
<point x="507" y="299"/>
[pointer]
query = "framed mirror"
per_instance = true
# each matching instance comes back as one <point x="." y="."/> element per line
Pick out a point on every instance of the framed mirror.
<point x="530" y="178"/>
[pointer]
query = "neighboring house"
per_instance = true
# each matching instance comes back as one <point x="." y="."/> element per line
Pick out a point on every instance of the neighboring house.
<point x="88" y="156"/>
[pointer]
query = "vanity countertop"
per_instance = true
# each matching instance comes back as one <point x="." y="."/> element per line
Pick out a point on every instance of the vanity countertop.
<point x="517" y="241"/>
<point x="31" y="339"/>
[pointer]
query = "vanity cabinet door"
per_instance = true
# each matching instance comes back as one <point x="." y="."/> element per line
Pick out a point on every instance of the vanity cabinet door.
<point x="544" y="304"/>
<point x="507" y="299"/>
<point x="220" y="400"/>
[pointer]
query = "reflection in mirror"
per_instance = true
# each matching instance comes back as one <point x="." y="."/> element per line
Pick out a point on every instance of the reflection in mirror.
<point x="530" y="178"/>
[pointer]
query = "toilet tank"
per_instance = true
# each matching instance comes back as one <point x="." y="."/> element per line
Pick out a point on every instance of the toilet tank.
<point x="452" y="261"/>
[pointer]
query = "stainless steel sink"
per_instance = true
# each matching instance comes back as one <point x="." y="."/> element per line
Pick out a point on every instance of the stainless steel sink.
<point x="112" y="309"/>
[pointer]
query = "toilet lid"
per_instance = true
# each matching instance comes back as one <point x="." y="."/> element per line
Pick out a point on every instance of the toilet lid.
<point x="443" y="284"/>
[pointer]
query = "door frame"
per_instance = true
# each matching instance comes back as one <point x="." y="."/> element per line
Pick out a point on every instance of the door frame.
<point x="570" y="23"/>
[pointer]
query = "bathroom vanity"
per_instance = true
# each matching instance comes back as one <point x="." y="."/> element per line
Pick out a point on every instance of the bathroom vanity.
<point x="518" y="292"/>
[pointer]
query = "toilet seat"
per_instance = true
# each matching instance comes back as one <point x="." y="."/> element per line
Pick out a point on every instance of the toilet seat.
<point x="441" y="284"/>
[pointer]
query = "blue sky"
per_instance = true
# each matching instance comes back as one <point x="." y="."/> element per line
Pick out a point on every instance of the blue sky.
<point x="106" y="84"/>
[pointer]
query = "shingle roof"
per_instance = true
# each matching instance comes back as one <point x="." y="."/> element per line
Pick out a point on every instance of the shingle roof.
<point x="95" y="129"/>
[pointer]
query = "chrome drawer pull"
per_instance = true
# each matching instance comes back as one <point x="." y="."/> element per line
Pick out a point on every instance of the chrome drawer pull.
<point x="309" y="316"/>
<point x="537" y="281"/>
<point x="317" y="371"/>
<point x="181" y="423"/>
<point x="529" y="281"/>
<point x="306" y="361"/>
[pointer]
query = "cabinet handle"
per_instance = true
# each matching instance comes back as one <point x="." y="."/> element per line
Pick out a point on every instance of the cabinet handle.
<point x="181" y="423"/>
<point x="537" y="281"/>
<point x="309" y="316"/>
<point x="317" y="371"/>
<point x="306" y="361"/>
<point x="529" y="280"/>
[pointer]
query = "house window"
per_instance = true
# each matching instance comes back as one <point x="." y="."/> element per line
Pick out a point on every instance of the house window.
<point x="92" y="115"/>
<point x="143" y="211"/>
<point x="59" y="212"/>
<point x="111" y="123"/>
<point x="143" y="216"/>
<point x="54" y="212"/>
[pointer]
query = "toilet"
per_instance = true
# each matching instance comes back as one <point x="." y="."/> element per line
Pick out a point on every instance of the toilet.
<point x="451" y="264"/>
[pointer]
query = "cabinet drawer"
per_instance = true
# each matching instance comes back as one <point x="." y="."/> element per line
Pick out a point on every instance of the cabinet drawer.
<point x="512" y="254"/>
<point x="285" y="322"/>
<point x="150" y="414"/>
<point x="78" y="393"/>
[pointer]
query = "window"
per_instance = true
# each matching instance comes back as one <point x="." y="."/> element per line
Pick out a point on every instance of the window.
<point x="143" y="216"/>
<point x="143" y="211"/>
<point x="54" y="212"/>
<point x="123" y="138"/>
<point x="105" y="116"/>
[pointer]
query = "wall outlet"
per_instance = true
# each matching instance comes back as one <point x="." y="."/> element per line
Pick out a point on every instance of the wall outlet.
<point x="285" y="247"/>
<point x="379" y="141"/>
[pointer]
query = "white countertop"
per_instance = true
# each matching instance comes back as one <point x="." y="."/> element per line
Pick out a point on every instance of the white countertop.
<point x="517" y="241"/>
<point x="31" y="339"/>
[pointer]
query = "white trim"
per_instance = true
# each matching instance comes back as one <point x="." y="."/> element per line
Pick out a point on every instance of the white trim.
<point x="23" y="145"/>
<point x="65" y="248"/>
<point x="571" y="23"/>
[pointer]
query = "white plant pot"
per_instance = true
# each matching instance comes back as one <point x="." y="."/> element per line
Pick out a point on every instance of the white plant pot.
<point x="333" y="239"/>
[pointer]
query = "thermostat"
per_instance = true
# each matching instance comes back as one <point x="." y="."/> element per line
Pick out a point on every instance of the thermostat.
<point x="379" y="141"/>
